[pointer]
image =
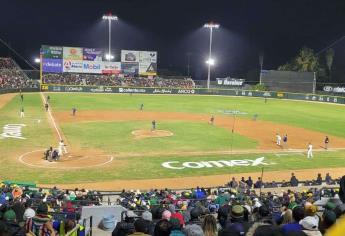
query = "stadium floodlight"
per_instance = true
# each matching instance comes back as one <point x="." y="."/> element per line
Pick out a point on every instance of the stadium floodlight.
<point x="109" y="17"/>
<point x="109" y="57"/>
<point x="37" y="60"/>
<point x="210" y="61"/>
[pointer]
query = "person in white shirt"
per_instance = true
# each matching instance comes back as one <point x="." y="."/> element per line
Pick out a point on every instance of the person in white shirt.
<point x="279" y="138"/>
<point x="310" y="151"/>
<point x="62" y="148"/>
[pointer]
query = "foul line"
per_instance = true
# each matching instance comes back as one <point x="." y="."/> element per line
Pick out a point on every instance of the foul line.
<point x="51" y="116"/>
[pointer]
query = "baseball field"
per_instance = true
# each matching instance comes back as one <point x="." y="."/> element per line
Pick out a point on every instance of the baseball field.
<point x="111" y="144"/>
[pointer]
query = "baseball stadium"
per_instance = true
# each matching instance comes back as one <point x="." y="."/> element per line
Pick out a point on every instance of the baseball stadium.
<point x="104" y="142"/>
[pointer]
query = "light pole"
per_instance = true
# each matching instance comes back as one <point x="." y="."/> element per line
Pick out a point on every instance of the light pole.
<point x="210" y="61"/>
<point x="109" y="17"/>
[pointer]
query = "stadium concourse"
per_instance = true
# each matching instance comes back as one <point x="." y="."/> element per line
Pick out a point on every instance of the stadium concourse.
<point x="236" y="209"/>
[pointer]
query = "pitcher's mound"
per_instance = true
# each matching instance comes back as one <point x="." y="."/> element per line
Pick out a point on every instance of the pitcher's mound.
<point x="142" y="133"/>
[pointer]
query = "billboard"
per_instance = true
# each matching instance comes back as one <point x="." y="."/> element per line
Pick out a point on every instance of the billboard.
<point x="147" y="63"/>
<point x="73" y="53"/>
<point x="52" y="52"/>
<point x="111" y="67"/>
<point x="92" y="67"/>
<point x="52" y="65"/>
<point x="129" y="56"/>
<point x="130" y="68"/>
<point x="73" y="66"/>
<point x="92" y="54"/>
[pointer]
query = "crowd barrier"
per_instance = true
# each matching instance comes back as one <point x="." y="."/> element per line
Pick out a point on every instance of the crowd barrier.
<point x="196" y="91"/>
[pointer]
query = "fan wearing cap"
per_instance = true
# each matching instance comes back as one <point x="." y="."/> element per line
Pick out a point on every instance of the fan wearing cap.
<point x="238" y="223"/>
<point x="310" y="225"/>
<point x="41" y="222"/>
<point x="127" y="226"/>
<point x="10" y="220"/>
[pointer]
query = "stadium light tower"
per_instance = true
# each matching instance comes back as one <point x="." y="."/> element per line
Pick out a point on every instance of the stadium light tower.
<point x="210" y="62"/>
<point x="109" y="17"/>
<point x="37" y="60"/>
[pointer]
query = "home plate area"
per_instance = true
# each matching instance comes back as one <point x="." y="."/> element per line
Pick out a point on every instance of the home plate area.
<point x="73" y="160"/>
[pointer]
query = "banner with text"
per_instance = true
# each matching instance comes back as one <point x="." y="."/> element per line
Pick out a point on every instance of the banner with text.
<point x="92" y="54"/>
<point x="111" y="67"/>
<point x="52" y="65"/>
<point x="72" y="66"/>
<point x="129" y="56"/>
<point x="147" y="63"/>
<point x="51" y="52"/>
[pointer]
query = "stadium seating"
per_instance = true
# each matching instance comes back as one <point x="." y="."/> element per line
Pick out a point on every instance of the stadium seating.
<point x="223" y="211"/>
<point x="12" y="77"/>
<point x="114" y="80"/>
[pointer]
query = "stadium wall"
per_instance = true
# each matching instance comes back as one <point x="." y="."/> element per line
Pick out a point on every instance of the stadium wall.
<point x="223" y="92"/>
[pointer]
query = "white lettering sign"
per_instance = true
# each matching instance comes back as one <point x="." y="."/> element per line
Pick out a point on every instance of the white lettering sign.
<point x="176" y="165"/>
<point x="12" y="131"/>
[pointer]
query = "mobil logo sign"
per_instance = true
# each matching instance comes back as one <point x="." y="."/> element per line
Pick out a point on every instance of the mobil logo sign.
<point x="92" y="67"/>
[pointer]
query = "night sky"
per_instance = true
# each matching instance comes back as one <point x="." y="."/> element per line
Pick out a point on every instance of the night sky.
<point x="174" y="29"/>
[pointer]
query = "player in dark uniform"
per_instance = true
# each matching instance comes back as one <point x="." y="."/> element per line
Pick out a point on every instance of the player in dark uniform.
<point x="212" y="120"/>
<point x="21" y="96"/>
<point x="46" y="106"/>
<point x="48" y="98"/>
<point x="74" y="110"/>
<point x="153" y="125"/>
<point x="285" y="139"/>
<point x="326" y="142"/>
<point x="255" y="116"/>
<point x="141" y="107"/>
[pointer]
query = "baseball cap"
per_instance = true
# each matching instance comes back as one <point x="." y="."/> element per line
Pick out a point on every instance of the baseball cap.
<point x="310" y="223"/>
<point x="237" y="211"/>
<point x="147" y="215"/>
<point x="9" y="215"/>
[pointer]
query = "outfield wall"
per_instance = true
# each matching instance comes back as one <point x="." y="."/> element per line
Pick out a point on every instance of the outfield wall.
<point x="223" y="92"/>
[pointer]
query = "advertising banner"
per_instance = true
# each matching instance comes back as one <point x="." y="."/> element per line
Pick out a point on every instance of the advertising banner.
<point x="52" y="65"/>
<point x="51" y="52"/>
<point x="92" y="54"/>
<point x="111" y="67"/>
<point x="92" y="67"/>
<point x="130" y="68"/>
<point x="147" y="63"/>
<point x="230" y="81"/>
<point x="73" y="53"/>
<point x="129" y="56"/>
<point x="72" y="66"/>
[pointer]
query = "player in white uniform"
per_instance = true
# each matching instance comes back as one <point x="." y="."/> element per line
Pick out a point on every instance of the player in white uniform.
<point x="279" y="138"/>
<point x="22" y="113"/>
<point x="62" y="148"/>
<point x="310" y="151"/>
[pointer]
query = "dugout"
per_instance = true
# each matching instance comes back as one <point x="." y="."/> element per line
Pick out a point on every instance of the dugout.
<point x="289" y="81"/>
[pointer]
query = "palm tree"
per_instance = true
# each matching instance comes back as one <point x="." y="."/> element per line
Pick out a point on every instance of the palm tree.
<point x="329" y="60"/>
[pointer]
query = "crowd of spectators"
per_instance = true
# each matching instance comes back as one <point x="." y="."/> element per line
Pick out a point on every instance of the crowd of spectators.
<point x="115" y="80"/>
<point x="27" y="211"/>
<point x="12" y="77"/>
<point x="230" y="212"/>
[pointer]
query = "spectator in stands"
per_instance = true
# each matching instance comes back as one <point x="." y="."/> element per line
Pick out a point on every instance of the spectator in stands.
<point x="125" y="227"/>
<point x="29" y="212"/>
<point x="11" y="223"/>
<point x="209" y="226"/>
<point x="293" y="180"/>
<point x="194" y="217"/>
<point x="193" y="230"/>
<point x="328" y="179"/>
<point x="310" y="226"/>
<point x="140" y="227"/>
<point x="147" y="216"/>
<point x="233" y="183"/>
<point x="41" y="222"/>
<point x="163" y="228"/>
<point x="260" y="229"/>
<point x="258" y="183"/>
<point x="237" y="223"/>
<point x="328" y="219"/>
<point x="176" y="227"/>
<point x="297" y="215"/>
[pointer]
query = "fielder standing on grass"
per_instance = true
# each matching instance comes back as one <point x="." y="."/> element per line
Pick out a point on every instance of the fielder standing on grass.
<point x="74" y="110"/>
<point x="153" y="125"/>
<point x="22" y="115"/>
<point x="141" y="107"/>
<point x="310" y="151"/>
<point x="326" y="142"/>
<point x="211" y="120"/>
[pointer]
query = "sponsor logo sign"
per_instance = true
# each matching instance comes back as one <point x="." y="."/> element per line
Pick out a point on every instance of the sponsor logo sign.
<point x="92" y="54"/>
<point x="162" y="91"/>
<point x="97" y="90"/>
<point x="186" y="91"/>
<point x="129" y="56"/>
<point x="334" y="89"/>
<point x="147" y="63"/>
<point x="52" y="65"/>
<point x="72" y="66"/>
<point x="266" y="94"/>
<point x="130" y="68"/>
<point x="111" y="67"/>
<point x="51" y="52"/>
<point x="12" y="131"/>
<point x="328" y="88"/>
<point x="73" y="89"/>
<point x="94" y="67"/>
<point x="176" y="165"/>
<point x="73" y="53"/>
<point x="230" y="82"/>
<point x="56" y="88"/>
<point x="280" y="95"/>
<point x="132" y="90"/>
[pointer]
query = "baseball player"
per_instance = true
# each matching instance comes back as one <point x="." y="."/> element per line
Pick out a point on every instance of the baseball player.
<point x="153" y="125"/>
<point x="62" y="148"/>
<point x="21" y="96"/>
<point x="22" y="115"/>
<point x="285" y="139"/>
<point x="326" y="142"/>
<point x="74" y="110"/>
<point x="278" y="139"/>
<point x="141" y="107"/>
<point x="211" y="120"/>
<point x="46" y="106"/>
<point x="48" y="98"/>
<point x="310" y="151"/>
<point x="255" y="116"/>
